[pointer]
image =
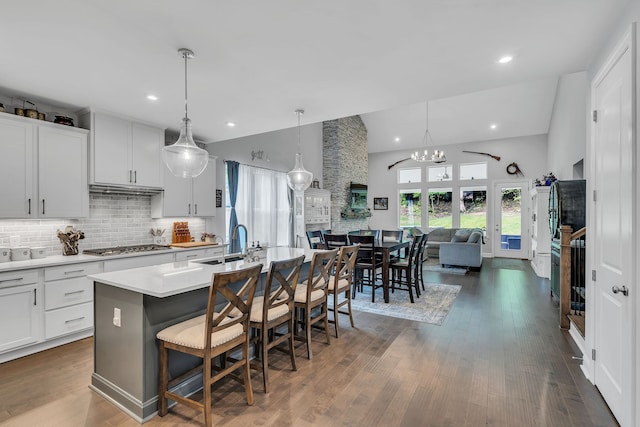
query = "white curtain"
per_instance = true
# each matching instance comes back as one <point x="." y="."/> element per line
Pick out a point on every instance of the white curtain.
<point x="263" y="205"/>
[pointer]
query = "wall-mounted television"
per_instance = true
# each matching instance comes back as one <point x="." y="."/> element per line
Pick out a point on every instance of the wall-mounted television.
<point x="358" y="196"/>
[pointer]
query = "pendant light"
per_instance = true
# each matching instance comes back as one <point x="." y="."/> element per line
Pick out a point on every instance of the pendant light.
<point x="184" y="158"/>
<point x="298" y="178"/>
<point x="437" y="156"/>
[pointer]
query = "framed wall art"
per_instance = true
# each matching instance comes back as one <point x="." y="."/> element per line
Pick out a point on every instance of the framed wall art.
<point x="380" y="203"/>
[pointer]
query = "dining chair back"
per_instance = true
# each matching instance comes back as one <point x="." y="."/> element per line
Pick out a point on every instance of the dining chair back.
<point x="368" y="267"/>
<point x="334" y="241"/>
<point x="403" y="270"/>
<point x="211" y="335"/>
<point x="392" y="235"/>
<point x="315" y="239"/>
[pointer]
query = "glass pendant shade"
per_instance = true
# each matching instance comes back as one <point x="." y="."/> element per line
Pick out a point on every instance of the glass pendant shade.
<point x="184" y="158"/>
<point x="299" y="179"/>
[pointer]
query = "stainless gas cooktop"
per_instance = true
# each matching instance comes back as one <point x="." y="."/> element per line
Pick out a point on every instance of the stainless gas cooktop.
<point x="119" y="250"/>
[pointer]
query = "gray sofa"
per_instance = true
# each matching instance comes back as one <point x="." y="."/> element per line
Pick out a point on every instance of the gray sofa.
<point x="456" y="246"/>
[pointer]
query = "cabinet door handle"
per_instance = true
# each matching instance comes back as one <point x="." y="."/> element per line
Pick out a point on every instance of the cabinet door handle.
<point x="74" y="271"/>
<point x="74" y="320"/>
<point x="29" y="206"/>
<point x="192" y="256"/>
<point x="35" y="297"/>
<point x="130" y="174"/>
<point x="42" y="206"/>
<point x="17" y="279"/>
<point x="135" y="177"/>
<point x="66" y="294"/>
<point x="189" y="208"/>
<point x="196" y="212"/>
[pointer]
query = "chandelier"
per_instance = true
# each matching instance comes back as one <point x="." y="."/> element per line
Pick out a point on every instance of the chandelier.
<point x="437" y="156"/>
<point x="298" y="178"/>
<point x="184" y="158"/>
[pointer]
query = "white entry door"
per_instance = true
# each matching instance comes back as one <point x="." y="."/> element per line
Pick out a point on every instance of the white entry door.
<point x="612" y="243"/>
<point x="511" y="229"/>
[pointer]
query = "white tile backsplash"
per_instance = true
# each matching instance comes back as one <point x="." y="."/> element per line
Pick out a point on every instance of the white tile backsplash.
<point x="114" y="220"/>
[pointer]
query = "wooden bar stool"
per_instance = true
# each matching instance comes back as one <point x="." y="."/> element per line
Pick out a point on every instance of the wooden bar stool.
<point x="312" y="295"/>
<point x="208" y="336"/>
<point x="341" y="282"/>
<point x="275" y="310"/>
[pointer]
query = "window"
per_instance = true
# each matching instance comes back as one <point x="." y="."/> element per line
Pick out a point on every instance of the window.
<point x="473" y="207"/>
<point x="440" y="173"/>
<point x="408" y="176"/>
<point x="440" y="208"/>
<point x="410" y="208"/>
<point x="470" y="171"/>
<point x="262" y="204"/>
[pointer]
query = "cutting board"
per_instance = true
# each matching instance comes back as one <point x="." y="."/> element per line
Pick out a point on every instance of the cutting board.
<point x="192" y="244"/>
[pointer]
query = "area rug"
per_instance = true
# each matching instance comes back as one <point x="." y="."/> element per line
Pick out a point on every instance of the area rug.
<point x="432" y="306"/>
<point x="433" y="264"/>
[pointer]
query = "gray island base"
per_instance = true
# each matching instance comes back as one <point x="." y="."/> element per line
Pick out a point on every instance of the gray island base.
<point x="150" y="299"/>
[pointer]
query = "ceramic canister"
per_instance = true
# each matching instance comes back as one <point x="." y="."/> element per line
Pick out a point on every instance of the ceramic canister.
<point x="5" y="254"/>
<point x="37" y="253"/>
<point x="20" y="254"/>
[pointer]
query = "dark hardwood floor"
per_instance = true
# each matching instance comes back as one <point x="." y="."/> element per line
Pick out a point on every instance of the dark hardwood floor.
<point x="498" y="359"/>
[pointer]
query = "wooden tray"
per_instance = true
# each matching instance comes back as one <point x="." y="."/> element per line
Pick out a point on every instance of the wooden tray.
<point x="192" y="244"/>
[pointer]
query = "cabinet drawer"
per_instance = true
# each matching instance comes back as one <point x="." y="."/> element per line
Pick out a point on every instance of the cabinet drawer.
<point x="138" y="261"/>
<point x="62" y="293"/>
<point x="17" y="278"/>
<point x="68" y="271"/>
<point x="69" y="319"/>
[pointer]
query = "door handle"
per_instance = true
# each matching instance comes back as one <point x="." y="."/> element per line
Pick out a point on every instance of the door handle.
<point x="42" y="206"/>
<point x="196" y="209"/>
<point x="189" y="208"/>
<point x="29" y="206"/>
<point x="620" y="289"/>
<point x="135" y="177"/>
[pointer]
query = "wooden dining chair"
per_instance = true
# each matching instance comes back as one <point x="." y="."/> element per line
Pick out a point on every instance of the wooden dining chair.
<point x="374" y="233"/>
<point x="368" y="267"/>
<point x="392" y="236"/>
<point x="209" y="336"/>
<point x="315" y="238"/>
<point x="334" y="241"/>
<point x="341" y="282"/>
<point x="310" y="300"/>
<point x="404" y="270"/>
<point x="421" y="258"/>
<point x="274" y="309"/>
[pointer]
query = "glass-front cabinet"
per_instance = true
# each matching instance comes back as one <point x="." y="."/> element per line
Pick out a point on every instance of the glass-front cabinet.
<point x="312" y="212"/>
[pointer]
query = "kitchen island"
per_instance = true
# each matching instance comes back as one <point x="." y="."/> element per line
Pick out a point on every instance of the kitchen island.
<point x="131" y="306"/>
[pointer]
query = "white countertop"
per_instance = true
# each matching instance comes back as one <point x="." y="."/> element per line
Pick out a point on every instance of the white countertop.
<point x="80" y="258"/>
<point x="175" y="278"/>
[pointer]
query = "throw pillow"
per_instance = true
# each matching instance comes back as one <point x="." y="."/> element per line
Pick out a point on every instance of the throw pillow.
<point x="461" y="235"/>
<point x="475" y="237"/>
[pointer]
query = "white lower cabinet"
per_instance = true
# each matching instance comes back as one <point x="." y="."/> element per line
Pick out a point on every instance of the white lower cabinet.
<point x="21" y="303"/>
<point x="68" y="298"/>
<point x="138" y="261"/>
<point x="210" y="252"/>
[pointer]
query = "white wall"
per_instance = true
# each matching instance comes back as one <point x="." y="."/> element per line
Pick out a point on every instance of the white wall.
<point x="280" y="147"/>
<point x="567" y="130"/>
<point x="530" y="153"/>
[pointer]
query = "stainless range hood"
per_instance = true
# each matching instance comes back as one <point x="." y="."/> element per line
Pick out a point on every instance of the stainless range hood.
<point x="131" y="191"/>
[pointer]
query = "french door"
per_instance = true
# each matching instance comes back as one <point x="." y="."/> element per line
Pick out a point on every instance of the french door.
<point x="511" y="228"/>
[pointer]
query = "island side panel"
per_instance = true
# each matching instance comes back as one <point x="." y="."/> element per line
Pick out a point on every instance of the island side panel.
<point x="161" y="313"/>
<point x="118" y="351"/>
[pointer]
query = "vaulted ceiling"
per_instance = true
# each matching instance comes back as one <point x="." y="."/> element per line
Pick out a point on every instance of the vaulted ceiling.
<point x="257" y="61"/>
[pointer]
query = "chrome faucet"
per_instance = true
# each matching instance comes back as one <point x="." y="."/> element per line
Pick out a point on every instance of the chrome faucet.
<point x="234" y="235"/>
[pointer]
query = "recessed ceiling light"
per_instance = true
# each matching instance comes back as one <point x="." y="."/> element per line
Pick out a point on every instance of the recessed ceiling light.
<point x="505" y="59"/>
<point x="152" y="97"/>
<point x="493" y="126"/>
<point x="231" y="124"/>
<point x="397" y="139"/>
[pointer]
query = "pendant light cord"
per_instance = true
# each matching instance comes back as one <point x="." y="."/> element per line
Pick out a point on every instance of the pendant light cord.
<point x="186" y="58"/>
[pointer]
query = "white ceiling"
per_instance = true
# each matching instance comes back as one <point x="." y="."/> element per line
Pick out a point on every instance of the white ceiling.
<point x="257" y="61"/>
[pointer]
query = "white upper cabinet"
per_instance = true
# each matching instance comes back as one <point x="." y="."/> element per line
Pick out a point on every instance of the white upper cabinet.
<point x="62" y="173"/>
<point x="43" y="168"/>
<point x="123" y="152"/>
<point x="184" y="197"/>
<point x="16" y="168"/>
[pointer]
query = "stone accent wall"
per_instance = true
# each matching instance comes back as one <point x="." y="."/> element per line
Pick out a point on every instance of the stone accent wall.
<point x="345" y="160"/>
<point x="114" y="220"/>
